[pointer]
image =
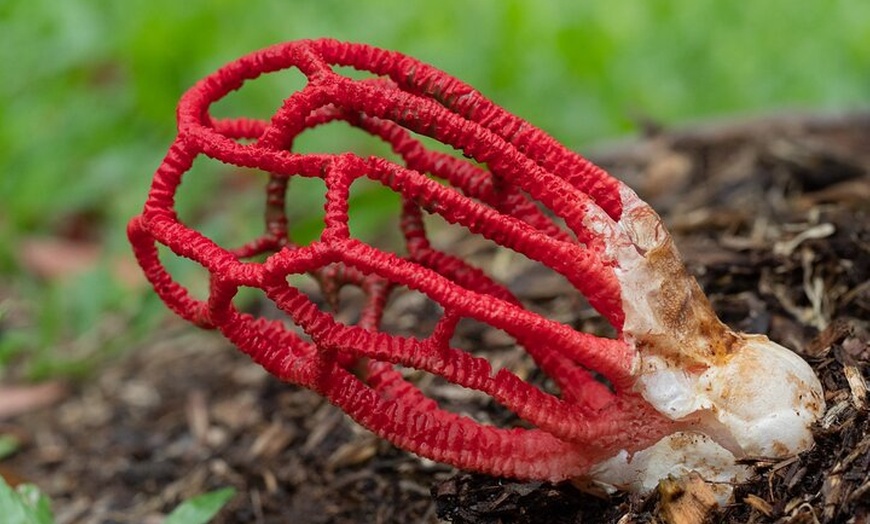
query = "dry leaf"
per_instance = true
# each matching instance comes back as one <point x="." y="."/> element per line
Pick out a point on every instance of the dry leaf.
<point x="15" y="400"/>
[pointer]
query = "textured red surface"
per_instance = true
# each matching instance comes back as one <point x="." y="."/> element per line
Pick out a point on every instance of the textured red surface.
<point x="354" y="365"/>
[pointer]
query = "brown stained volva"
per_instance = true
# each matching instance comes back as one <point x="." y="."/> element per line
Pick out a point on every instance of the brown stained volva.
<point x="693" y="337"/>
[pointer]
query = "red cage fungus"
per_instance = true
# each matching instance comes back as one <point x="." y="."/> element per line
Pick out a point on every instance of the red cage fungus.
<point x="517" y="187"/>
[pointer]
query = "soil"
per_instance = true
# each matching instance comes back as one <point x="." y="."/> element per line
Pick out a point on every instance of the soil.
<point x="771" y="215"/>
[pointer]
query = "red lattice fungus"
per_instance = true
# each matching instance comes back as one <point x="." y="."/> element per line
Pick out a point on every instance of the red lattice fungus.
<point x="681" y="392"/>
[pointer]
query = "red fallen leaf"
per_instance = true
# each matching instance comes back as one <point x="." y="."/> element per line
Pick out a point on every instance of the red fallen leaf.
<point x="15" y="400"/>
<point x="59" y="259"/>
<point x="55" y="258"/>
<point x="127" y="272"/>
<point x="11" y="477"/>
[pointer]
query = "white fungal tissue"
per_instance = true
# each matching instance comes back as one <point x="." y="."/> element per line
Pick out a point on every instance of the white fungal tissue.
<point x="733" y="395"/>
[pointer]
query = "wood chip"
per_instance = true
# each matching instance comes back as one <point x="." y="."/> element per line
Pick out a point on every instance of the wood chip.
<point x="353" y="453"/>
<point x="272" y="441"/>
<point x="196" y="412"/>
<point x="856" y="385"/>
<point x="759" y="504"/>
<point x="686" y="500"/>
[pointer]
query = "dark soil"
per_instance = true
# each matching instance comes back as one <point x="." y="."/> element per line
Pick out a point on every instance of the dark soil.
<point x="773" y="216"/>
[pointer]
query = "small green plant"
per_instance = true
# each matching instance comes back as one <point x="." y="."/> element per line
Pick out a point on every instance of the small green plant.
<point x="26" y="504"/>
<point x="202" y="508"/>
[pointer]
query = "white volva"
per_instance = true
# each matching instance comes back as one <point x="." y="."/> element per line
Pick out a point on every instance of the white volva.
<point x="735" y="395"/>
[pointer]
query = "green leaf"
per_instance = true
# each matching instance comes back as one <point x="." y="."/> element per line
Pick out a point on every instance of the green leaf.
<point x="8" y="445"/>
<point x="24" y="505"/>
<point x="200" y="509"/>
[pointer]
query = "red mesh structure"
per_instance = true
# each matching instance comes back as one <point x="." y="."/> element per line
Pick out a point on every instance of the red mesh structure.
<point x="512" y="171"/>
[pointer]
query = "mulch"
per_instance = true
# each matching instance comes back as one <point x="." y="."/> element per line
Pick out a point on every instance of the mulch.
<point x="772" y="216"/>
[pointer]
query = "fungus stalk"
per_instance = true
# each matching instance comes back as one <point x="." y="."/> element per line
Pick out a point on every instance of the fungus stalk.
<point x="680" y="391"/>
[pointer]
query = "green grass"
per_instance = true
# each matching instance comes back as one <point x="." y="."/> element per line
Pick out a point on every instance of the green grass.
<point x="89" y="87"/>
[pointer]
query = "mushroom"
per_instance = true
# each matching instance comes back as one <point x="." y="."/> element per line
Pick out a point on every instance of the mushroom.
<point x="675" y="391"/>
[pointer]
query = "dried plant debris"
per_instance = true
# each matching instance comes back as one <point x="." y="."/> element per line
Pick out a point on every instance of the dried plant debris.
<point x="186" y="414"/>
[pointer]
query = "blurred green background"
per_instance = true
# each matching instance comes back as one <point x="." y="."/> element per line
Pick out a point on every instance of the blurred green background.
<point x="89" y="88"/>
